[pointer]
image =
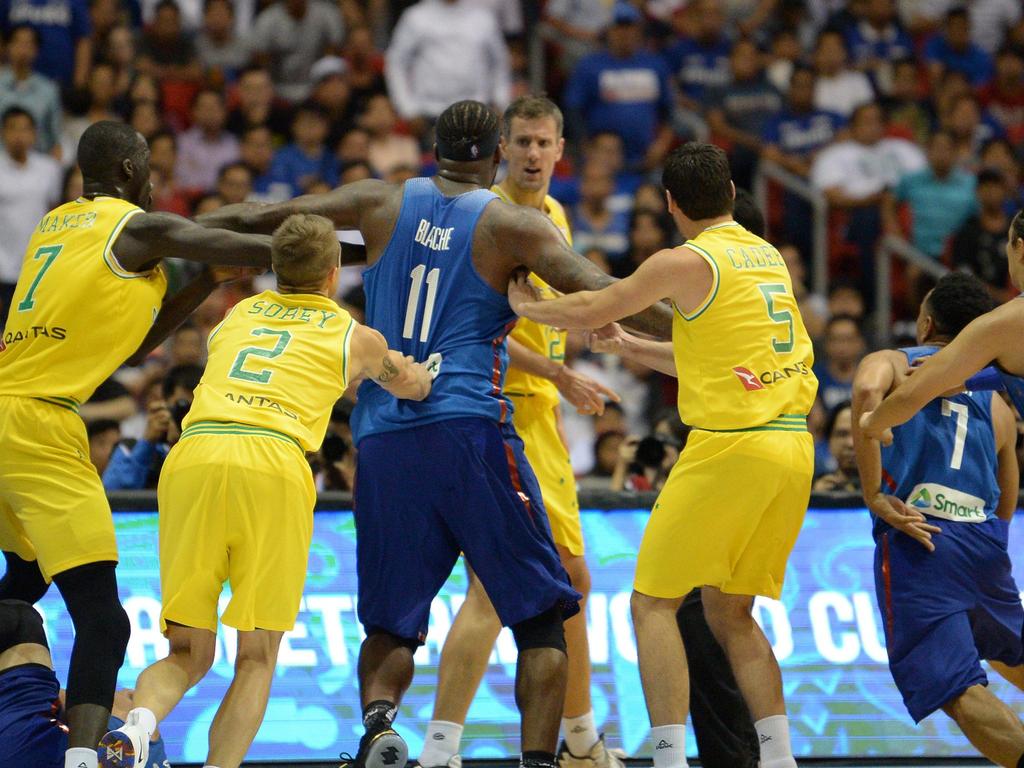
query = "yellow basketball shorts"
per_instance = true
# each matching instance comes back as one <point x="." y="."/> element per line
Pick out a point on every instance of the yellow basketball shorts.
<point x="536" y="422"/>
<point x="729" y="514"/>
<point x="236" y="505"/>
<point x="52" y="505"/>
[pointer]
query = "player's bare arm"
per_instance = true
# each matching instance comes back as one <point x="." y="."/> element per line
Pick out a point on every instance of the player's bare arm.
<point x="149" y="237"/>
<point x="657" y="355"/>
<point x="876" y="376"/>
<point x="401" y="376"/>
<point x="993" y="336"/>
<point x="584" y="393"/>
<point x="1004" y="424"/>
<point x="537" y="245"/>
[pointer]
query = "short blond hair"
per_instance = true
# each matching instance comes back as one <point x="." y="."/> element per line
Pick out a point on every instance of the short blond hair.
<point x="304" y="250"/>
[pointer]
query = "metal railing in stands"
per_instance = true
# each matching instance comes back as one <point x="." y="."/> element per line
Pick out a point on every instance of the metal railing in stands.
<point x="769" y="171"/>
<point x="893" y="247"/>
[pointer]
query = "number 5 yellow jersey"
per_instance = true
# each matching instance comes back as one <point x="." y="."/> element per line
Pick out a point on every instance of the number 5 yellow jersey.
<point x="743" y="356"/>
<point x="77" y="314"/>
<point x="277" y="364"/>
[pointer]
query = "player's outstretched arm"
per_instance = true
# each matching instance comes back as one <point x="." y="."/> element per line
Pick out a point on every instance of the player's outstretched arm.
<point x="975" y="346"/>
<point x="1004" y="424"/>
<point x="540" y="247"/>
<point x="401" y="376"/>
<point x="149" y="237"/>
<point x="657" y="355"/>
<point x="585" y="394"/>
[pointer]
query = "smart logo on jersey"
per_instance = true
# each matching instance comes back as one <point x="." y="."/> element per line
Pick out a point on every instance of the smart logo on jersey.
<point x="947" y="503"/>
<point x="754" y="381"/>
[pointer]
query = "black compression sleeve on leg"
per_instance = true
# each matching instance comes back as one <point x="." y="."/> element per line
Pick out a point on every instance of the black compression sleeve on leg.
<point x="1020" y="763"/>
<point x="22" y="581"/>
<point x="544" y="630"/>
<point x="20" y="623"/>
<point x="102" y="631"/>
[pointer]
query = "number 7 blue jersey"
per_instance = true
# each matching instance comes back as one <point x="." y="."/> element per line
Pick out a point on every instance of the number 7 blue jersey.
<point x="425" y="295"/>
<point x="943" y="461"/>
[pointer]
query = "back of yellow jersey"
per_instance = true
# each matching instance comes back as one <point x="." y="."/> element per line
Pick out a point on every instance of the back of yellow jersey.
<point x="542" y="339"/>
<point x="277" y="362"/>
<point x="743" y="356"/>
<point x="76" y="315"/>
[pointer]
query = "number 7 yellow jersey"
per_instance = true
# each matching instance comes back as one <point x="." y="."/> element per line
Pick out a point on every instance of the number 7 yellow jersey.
<point x="277" y="364"/>
<point x="743" y="356"/>
<point x="77" y="314"/>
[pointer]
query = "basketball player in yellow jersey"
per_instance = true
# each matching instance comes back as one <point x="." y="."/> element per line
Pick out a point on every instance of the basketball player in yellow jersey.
<point x="91" y="286"/>
<point x="532" y="144"/>
<point x="236" y="493"/>
<point x="744" y="361"/>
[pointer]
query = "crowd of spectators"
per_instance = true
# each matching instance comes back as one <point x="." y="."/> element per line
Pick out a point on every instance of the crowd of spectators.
<point x="907" y="115"/>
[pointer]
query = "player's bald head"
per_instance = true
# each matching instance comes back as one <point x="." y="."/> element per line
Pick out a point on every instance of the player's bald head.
<point x="105" y="146"/>
<point x="304" y="250"/>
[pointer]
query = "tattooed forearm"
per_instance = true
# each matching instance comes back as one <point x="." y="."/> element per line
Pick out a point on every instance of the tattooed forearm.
<point x="390" y="371"/>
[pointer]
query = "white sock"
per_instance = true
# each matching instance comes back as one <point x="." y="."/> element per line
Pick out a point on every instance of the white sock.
<point x="441" y="743"/>
<point x="776" y="751"/>
<point x="580" y="733"/>
<point x="145" y="718"/>
<point x="669" y="743"/>
<point x="80" y="757"/>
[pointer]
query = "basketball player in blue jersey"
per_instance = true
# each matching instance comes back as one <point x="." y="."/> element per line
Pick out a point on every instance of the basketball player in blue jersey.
<point x="942" y="495"/>
<point x="448" y="474"/>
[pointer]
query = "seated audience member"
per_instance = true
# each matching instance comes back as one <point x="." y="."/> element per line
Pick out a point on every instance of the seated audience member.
<point x="37" y="94"/>
<point x="1003" y="98"/>
<point x="877" y="39"/>
<point x="166" y="51"/>
<point x="256" y="150"/>
<point x="980" y="244"/>
<point x="838" y="88"/>
<point x="971" y="127"/>
<point x="335" y="462"/>
<point x="845" y="298"/>
<point x="813" y="306"/>
<point x="218" y="46"/>
<point x="207" y="146"/>
<point x="307" y="159"/>
<point x="389" y="148"/>
<point x="909" y="114"/>
<point x="103" y="435"/>
<point x="234" y="183"/>
<point x="168" y="194"/>
<point x="332" y="92"/>
<point x="839" y="433"/>
<point x="644" y="463"/>
<point x="594" y="224"/>
<point x="606" y="458"/>
<point x="844" y="347"/>
<point x="952" y="49"/>
<point x="793" y="137"/>
<point x="700" y="60"/>
<point x="258" y="106"/>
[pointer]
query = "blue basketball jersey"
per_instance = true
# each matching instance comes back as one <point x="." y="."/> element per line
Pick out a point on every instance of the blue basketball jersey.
<point x="943" y="461"/>
<point x="425" y="295"/>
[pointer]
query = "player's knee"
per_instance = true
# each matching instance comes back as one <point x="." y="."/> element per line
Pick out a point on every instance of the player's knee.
<point x="379" y="635"/>
<point x="727" y="618"/>
<point x="545" y="630"/>
<point x="259" y="654"/>
<point x="20" y="623"/>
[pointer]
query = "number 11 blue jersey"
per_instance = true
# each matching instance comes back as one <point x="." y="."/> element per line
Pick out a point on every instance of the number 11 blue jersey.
<point x="425" y="295"/>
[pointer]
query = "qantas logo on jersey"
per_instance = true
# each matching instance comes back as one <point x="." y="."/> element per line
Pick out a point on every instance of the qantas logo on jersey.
<point x="752" y="382"/>
<point x="947" y="503"/>
<point x="35" y="332"/>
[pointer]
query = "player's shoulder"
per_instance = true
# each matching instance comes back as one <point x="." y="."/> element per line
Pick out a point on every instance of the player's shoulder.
<point x="554" y="209"/>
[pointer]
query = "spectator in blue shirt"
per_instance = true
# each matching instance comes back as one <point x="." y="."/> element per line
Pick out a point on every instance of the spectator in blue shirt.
<point x="953" y="49"/>
<point x="739" y="112"/>
<point x="136" y="466"/>
<point x="844" y="347"/>
<point x="940" y="197"/>
<point x="877" y="40"/>
<point x="701" y="61"/>
<point x="625" y="90"/>
<point x="307" y="159"/>
<point x="594" y="223"/>
<point x="65" y="46"/>
<point x="33" y="92"/>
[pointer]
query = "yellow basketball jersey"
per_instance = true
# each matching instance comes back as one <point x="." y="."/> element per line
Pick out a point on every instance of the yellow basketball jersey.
<point x="76" y="315"/>
<point x="277" y="362"/>
<point x="542" y="339"/>
<point x="743" y="356"/>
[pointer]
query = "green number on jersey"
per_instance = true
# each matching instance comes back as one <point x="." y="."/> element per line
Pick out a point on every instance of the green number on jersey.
<point x="769" y="290"/>
<point x="283" y="339"/>
<point x="50" y="252"/>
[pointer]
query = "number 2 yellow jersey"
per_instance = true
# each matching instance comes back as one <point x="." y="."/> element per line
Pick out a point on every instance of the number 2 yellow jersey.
<point x="542" y="339"/>
<point x="277" y="362"/>
<point x="743" y="356"/>
<point x="76" y="315"/>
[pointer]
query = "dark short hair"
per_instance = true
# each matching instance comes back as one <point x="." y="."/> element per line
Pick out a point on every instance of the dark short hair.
<point x="957" y="12"/>
<point x="205" y="90"/>
<point x="167" y="4"/>
<point x="17" y="111"/>
<point x="229" y="3"/>
<point x="105" y="146"/>
<point x="23" y="28"/>
<point x="1017" y="225"/>
<point x="833" y="417"/>
<point x="990" y="176"/>
<point x="956" y="300"/>
<point x="227" y="167"/>
<point x="698" y="178"/>
<point x="162" y="134"/>
<point x="941" y="133"/>
<point x="184" y="376"/>
<point x="310" y="107"/>
<point x="99" y="426"/>
<point x="862" y="108"/>
<point x="837" y="319"/>
<point x="532" y="107"/>
<point x="746" y="213"/>
<point x="803" y="69"/>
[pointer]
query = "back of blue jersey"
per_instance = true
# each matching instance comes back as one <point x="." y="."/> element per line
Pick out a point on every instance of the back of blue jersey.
<point x="425" y="295"/>
<point x="943" y="461"/>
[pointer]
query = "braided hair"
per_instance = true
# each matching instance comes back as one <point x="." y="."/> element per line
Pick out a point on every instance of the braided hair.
<point x="467" y="131"/>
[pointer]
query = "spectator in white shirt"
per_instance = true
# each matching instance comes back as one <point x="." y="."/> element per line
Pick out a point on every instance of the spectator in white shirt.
<point x="443" y="51"/>
<point x="838" y="88"/>
<point x="30" y="184"/>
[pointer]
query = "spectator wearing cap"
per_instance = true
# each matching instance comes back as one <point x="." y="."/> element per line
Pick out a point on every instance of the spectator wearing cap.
<point x="626" y="90"/>
<point x="443" y="51"/>
<point x="30" y="184"/>
<point x="206" y="147"/>
<point x="838" y="88"/>
<point x="979" y="246"/>
<point x="940" y="198"/>
<point x="32" y="91"/>
<point x="1003" y="98"/>
<point x="952" y="49"/>
<point x="218" y="46"/>
<point x="700" y="61"/>
<point x="65" y="46"/>
<point x="258" y="105"/>
<point x="290" y="36"/>
<point x="333" y="93"/>
<point x="307" y="159"/>
<point x="577" y="26"/>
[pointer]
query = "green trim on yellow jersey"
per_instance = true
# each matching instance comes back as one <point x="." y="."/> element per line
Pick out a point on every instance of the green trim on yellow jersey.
<point x="68" y="403"/>
<point x="716" y="280"/>
<point x="787" y="422"/>
<point x="108" y="249"/>
<point x="344" y="351"/>
<point x="235" y="428"/>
